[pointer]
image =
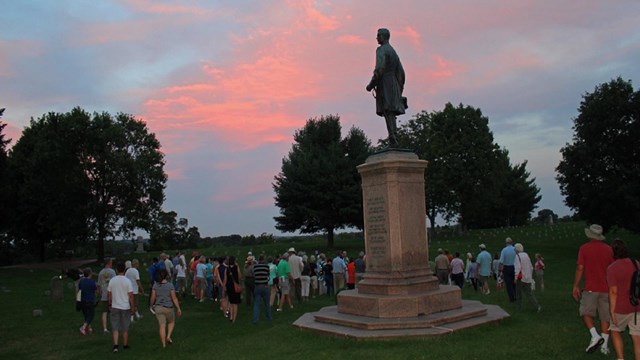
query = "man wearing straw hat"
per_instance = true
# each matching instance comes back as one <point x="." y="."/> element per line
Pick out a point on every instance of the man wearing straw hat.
<point x="593" y="259"/>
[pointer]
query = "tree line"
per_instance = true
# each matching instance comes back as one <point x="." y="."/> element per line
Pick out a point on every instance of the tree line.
<point x="74" y="178"/>
<point x="470" y="179"/>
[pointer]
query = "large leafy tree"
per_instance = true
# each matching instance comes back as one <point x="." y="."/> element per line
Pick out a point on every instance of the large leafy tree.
<point x="469" y="177"/>
<point x="318" y="188"/>
<point x="79" y="176"/>
<point x="49" y="191"/>
<point x="125" y="168"/>
<point x="599" y="174"/>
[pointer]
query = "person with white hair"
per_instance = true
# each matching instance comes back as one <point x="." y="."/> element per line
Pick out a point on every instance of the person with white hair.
<point x="305" y="278"/>
<point x="133" y="275"/>
<point x="523" y="267"/>
<point x="295" y="267"/>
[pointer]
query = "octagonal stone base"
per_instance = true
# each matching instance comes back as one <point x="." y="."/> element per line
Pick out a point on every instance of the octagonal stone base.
<point x="329" y="321"/>
<point x="410" y="305"/>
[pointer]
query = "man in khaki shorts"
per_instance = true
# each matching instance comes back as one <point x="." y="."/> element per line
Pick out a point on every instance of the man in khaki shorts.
<point x="593" y="259"/>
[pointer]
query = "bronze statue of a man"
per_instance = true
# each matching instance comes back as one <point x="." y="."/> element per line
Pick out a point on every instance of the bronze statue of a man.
<point x="388" y="82"/>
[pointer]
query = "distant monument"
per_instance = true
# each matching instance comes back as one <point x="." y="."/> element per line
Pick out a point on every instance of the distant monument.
<point x="398" y="296"/>
<point x="140" y="245"/>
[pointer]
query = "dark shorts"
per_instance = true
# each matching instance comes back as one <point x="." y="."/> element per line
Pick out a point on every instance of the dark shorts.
<point x="105" y="306"/>
<point x="120" y="320"/>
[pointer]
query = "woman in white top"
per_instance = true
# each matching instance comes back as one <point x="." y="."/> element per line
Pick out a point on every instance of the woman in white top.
<point x="524" y="277"/>
<point x="181" y="278"/>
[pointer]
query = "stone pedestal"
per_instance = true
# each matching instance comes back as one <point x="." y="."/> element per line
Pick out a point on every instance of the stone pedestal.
<point x="398" y="281"/>
<point x="398" y="290"/>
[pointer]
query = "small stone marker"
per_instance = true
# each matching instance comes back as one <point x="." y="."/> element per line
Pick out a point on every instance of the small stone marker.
<point x="56" y="287"/>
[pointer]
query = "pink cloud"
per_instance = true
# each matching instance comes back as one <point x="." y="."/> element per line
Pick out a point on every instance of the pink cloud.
<point x="260" y="203"/>
<point x="313" y="16"/>
<point x="10" y="132"/>
<point x="412" y="35"/>
<point x="148" y="6"/>
<point x="442" y="70"/>
<point x="351" y="40"/>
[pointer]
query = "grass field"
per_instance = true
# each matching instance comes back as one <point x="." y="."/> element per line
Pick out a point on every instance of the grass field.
<point x="555" y="333"/>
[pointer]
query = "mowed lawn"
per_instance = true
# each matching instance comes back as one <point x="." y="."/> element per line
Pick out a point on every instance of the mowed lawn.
<point x="202" y="332"/>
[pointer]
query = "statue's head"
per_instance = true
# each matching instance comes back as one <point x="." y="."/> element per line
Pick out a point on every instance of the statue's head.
<point x="383" y="36"/>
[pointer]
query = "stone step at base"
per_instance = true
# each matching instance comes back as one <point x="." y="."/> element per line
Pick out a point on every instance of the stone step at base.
<point x="328" y="321"/>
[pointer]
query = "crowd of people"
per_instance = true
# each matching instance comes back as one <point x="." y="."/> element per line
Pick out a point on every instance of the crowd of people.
<point x="511" y="269"/>
<point x="262" y="283"/>
<point x="269" y="282"/>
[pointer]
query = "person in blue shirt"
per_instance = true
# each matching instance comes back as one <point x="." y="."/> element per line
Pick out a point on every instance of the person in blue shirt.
<point x="154" y="271"/>
<point x="507" y="260"/>
<point x="87" y="300"/>
<point x="484" y="269"/>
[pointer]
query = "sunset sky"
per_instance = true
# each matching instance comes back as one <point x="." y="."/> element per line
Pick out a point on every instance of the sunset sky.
<point x="225" y="84"/>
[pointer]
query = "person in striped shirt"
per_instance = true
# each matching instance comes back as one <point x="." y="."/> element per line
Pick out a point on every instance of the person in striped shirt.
<point x="261" y="291"/>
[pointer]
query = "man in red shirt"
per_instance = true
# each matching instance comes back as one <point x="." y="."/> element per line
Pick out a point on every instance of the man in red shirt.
<point x="594" y="258"/>
<point x="622" y="313"/>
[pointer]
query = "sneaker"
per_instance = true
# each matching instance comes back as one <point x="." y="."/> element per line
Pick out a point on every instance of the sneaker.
<point x="279" y="310"/>
<point x="132" y="318"/>
<point x="488" y="292"/>
<point x="604" y="350"/>
<point x="539" y="308"/>
<point x="115" y="348"/>
<point x="595" y="343"/>
<point x="105" y="331"/>
<point x="83" y="331"/>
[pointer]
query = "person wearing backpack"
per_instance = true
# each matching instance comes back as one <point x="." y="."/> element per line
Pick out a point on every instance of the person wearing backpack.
<point x="623" y="313"/>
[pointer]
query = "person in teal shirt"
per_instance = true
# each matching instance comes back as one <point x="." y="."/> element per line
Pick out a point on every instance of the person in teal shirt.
<point x="484" y="268"/>
<point x="284" y="277"/>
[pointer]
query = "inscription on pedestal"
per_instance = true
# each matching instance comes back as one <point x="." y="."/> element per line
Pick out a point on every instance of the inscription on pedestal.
<point x="377" y="232"/>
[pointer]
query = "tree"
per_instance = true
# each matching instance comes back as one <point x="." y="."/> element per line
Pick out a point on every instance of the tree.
<point x="3" y="175"/>
<point x="49" y="190"/>
<point x="599" y="174"/>
<point x="518" y="196"/>
<point x="164" y="233"/>
<point x="318" y="188"/>
<point x="546" y="216"/>
<point x="80" y="176"/>
<point x="169" y="233"/>
<point x="469" y="177"/>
